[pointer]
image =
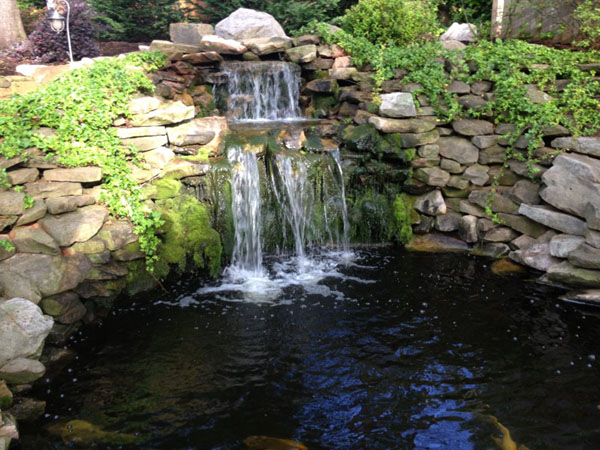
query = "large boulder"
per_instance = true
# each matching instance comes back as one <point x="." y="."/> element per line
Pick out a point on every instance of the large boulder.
<point x="77" y="226"/>
<point x="249" y="24"/>
<point x="189" y="33"/>
<point x="397" y="104"/>
<point x="572" y="184"/>
<point x="23" y="329"/>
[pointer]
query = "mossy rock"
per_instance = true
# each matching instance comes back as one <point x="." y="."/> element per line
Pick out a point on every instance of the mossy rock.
<point x="163" y="189"/>
<point x="362" y="138"/>
<point x="402" y="218"/>
<point x="188" y="235"/>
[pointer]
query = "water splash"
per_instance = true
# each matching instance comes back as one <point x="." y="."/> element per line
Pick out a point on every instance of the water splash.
<point x="259" y="91"/>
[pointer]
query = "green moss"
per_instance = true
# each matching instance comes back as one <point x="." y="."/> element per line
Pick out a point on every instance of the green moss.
<point x="401" y="220"/>
<point x="139" y="279"/>
<point x="167" y="188"/>
<point x="188" y="235"/>
<point x="326" y="102"/>
<point x="313" y="143"/>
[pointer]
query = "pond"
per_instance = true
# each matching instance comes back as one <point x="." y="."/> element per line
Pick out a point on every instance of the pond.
<point x="386" y="349"/>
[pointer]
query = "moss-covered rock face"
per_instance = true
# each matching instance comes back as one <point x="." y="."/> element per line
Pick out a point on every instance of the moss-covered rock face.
<point x="188" y="236"/>
<point x="402" y="219"/>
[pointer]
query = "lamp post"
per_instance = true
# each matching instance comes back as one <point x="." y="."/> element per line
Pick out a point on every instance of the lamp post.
<point x="58" y="21"/>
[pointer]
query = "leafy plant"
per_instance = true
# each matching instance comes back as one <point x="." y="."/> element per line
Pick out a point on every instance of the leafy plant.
<point x="588" y="15"/>
<point x="81" y="107"/>
<point x="49" y="46"/>
<point x="392" y="22"/>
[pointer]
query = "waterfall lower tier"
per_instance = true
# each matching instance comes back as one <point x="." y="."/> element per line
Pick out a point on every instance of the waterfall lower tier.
<point x="285" y="203"/>
<point x="266" y="90"/>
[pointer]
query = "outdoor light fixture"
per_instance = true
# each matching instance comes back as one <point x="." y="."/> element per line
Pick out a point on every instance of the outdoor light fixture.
<point x="58" y="21"/>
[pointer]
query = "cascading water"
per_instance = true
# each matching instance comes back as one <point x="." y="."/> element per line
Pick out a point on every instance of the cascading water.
<point x="260" y="91"/>
<point x="247" y="250"/>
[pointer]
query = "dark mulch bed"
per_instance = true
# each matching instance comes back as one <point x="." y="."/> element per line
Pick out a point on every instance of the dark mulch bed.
<point x="112" y="48"/>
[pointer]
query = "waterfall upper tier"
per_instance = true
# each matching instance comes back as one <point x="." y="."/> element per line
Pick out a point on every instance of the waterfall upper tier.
<point x="261" y="91"/>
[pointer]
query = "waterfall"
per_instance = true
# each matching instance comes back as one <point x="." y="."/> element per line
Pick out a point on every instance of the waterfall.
<point x="345" y="240"/>
<point x="245" y="184"/>
<point x="266" y="90"/>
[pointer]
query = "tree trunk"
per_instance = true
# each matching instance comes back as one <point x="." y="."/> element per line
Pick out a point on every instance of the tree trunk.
<point x="12" y="28"/>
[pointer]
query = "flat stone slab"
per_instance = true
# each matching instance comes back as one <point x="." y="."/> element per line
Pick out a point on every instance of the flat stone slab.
<point x="74" y="175"/>
<point x="575" y="276"/>
<point x="585" y="145"/>
<point x="459" y="149"/>
<point x="437" y="243"/>
<point x="588" y="296"/>
<point x="22" y="371"/>
<point x="50" y="189"/>
<point x="217" y="44"/>
<point x="77" y="226"/>
<point x="554" y="219"/>
<point x="386" y="125"/>
<point x="398" y="104"/>
<point x="562" y="245"/>
<point x="168" y="113"/>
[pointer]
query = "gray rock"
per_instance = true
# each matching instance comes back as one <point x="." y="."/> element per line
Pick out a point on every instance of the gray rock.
<point x="212" y="58"/>
<point x="189" y="33"/>
<point x="167" y="113"/>
<point x="592" y="237"/>
<point x="575" y="276"/>
<point x="591" y="296"/>
<point x="522" y="224"/>
<point x="431" y="203"/>
<point x="22" y="176"/>
<point x="522" y="242"/>
<point x="267" y="46"/>
<point x="585" y="145"/>
<point x="480" y="87"/>
<point x="386" y="125"/>
<point x="246" y="23"/>
<point x="585" y="256"/>
<point x="537" y="256"/>
<point x="553" y="219"/>
<point x="500" y="234"/>
<point x="199" y="131"/>
<point x="453" y="45"/>
<point x="33" y="214"/>
<point x="143" y="104"/>
<point x="477" y="174"/>
<point x="218" y="44"/>
<point x="397" y="104"/>
<point x="302" y="54"/>
<point x="306" y="39"/>
<point x="433" y="176"/>
<point x="458" y="149"/>
<point x="424" y="226"/>
<point x="145" y="143"/>
<point x="485" y="141"/>
<point x="458" y="87"/>
<point x="7" y="221"/>
<point x="555" y="130"/>
<point x="472" y="127"/>
<point x="44" y="189"/>
<point x="572" y="183"/>
<point x="451" y="166"/>
<point x="458" y="183"/>
<point x="526" y="170"/>
<point x="536" y="95"/>
<point x="11" y="203"/>
<point x="34" y="240"/>
<point x="159" y="158"/>
<point x="495" y="249"/>
<point x="23" y="329"/>
<point x="325" y="86"/>
<point x="60" y="205"/>
<point x="524" y="191"/>
<point x="410" y="140"/>
<point x="464" y="32"/>
<point x="428" y="151"/>
<point x="172" y="47"/>
<point x="494" y="154"/>
<point x="66" y="308"/>
<point x="447" y="222"/>
<point x="497" y="201"/>
<point x="467" y="229"/>
<point x="473" y="102"/>
<point x="4" y="252"/>
<point x="562" y="245"/>
<point x="42" y="275"/>
<point x="485" y="225"/>
<point x="77" y="226"/>
<point x="22" y="371"/>
<point x="471" y="209"/>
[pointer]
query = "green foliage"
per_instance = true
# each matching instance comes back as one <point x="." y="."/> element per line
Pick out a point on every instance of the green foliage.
<point x="81" y="107"/>
<point x="392" y="22"/>
<point x="472" y="11"/>
<point x="588" y="15"/>
<point x="26" y="4"/>
<point x="401" y="223"/>
<point x="6" y="245"/>
<point x="136" y="20"/>
<point x="291" y="14"/>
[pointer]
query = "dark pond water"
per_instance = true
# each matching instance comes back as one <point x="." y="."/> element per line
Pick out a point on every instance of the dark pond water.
<point x="395" y="350"/>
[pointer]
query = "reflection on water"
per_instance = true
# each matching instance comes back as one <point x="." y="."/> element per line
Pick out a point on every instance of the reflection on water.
<point x="419" y="356"/>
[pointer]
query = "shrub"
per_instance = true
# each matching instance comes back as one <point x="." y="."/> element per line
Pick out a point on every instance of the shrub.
<point x="396" y="22"/>
<point x="136" y="20"/>
<point x="49" y="46"/>
<point x="472" y="11"/>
